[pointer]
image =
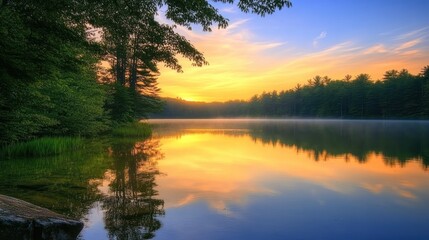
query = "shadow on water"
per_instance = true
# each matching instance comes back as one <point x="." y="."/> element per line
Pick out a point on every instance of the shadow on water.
<point x="119" y="175"/>
<point x="72" y="183"/>
<point x="131" y="207"/>
<point x="398" y="141"/>
<point x="59" y="183"/>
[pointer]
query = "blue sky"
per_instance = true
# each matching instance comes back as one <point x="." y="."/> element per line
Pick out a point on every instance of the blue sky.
<point x="314" y="37"/>
<point x="365" y="21"/>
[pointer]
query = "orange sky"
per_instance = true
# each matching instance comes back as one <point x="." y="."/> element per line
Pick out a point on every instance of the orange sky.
<point x="230" y="176"/>
<point x="247" y="59"/>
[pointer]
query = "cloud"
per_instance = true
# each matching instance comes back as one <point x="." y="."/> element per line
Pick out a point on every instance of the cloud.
<point x="421" y="32"/>
<point x="321" y="36"/>
<point x="231" y="9"/>
<point x="378" y="48"/>
<point x="234" y="62"/>
<point x="241" y="67"/>
<point x="408" y="44"/>
<point x="216" y="181"/>
<point x="410" y="53"/>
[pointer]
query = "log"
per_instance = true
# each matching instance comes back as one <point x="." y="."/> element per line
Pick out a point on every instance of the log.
<point x="23" y="220"/>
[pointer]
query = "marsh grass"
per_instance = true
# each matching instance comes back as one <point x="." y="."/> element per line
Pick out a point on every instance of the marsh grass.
<point x="46" y="146"/>
<point x="135" y="130"/>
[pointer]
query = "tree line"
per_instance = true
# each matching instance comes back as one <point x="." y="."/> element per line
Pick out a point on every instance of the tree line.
<point x="399" y="95"/>
<point x="82" y="67"/>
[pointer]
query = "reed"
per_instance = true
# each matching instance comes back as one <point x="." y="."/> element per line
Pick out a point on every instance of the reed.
<point x="135" y="129"/>
<point x="45" y="146"/>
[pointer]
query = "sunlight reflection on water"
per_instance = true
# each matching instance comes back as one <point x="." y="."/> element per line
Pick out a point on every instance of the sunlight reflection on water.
<point x="258" y="179"/>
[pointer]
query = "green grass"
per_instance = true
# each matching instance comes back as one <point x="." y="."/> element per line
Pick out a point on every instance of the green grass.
<point x="46" y="146"/>
<point x="135" y="129"/>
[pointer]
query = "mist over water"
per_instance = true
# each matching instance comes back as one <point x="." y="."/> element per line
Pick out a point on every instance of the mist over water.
<point x="298" y="179"/>
<point x="241" y="179"/>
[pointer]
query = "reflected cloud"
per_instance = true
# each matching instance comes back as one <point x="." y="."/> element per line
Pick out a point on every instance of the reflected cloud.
<point x="185" y="201"/>
<point x="373" y="188"/>
<point x="406" y="194"/>
<point x="226" y="168"/>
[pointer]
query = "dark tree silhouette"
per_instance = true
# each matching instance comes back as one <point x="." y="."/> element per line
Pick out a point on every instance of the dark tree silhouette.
<point x="132" y="208"/>
<point x="399" y="95"/>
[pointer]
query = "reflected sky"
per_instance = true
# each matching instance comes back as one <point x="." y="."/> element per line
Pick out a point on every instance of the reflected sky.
<point x="223" y="182"/>
<point x="266" y="179"/>
<point x="220" y="168"/>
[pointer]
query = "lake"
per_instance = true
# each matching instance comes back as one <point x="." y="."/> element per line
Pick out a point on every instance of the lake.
<point x="240" y="179"/>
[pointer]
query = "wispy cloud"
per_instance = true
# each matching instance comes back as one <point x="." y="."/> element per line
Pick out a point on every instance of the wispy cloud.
<point x="321" y="36"/>
<point x="413" y="34"/>
<point x="378" y="48"/>
<point x="231" y="9"/>
<point x="408" y="44"/>
<point x="237" y="61"/>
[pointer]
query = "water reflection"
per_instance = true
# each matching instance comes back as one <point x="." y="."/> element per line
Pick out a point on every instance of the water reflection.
<point x="130" y="207"/>
<point x="111" y="186"/>
<point x="225" y="170"/>
<point x="60" y="183"/>
<point x="292" y="179"/>
<point x="241" y="179"/>
<point x="397" y="141"/>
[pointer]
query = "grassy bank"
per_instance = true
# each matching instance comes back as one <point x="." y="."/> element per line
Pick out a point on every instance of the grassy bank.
<point x="45" y="146"/>
<point x="49" y="146"/>
<point x="135" y="130"/>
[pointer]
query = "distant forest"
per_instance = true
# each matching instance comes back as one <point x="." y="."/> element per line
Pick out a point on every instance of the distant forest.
<point x="83" y="68"/>
<point x="399" y="95"/>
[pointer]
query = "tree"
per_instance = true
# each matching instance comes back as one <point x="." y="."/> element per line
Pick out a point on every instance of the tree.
<point x="424" y="76"/>
<point x="46" y="67"/>
<point x="348" y="78"/>
<point x="136" y="41"/>
<point x="45" y="47"/>
<point x="358" y="105"/>
<point x="133" y="207"/>
<point x="399" y="95"/>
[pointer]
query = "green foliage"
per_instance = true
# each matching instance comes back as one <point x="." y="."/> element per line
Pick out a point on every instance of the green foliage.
<point x="425" y="91"/>
<point x="135" y="42"/>
<point x="397" y="96"/>
<point x="48" y="60"/>
<point x="134" y="129"/>
<point x="48" y="77"/>
<point x="63" y="183"/>
<point x="76" y="103"/>
<point x="46" y="146"/>
<point x="120" y="104"/>
<point x="400" y="95"/>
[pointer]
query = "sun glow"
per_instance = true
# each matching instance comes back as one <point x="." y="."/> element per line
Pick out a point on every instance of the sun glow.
<point x="241" y="66"/>
<point x="226" y="176"/>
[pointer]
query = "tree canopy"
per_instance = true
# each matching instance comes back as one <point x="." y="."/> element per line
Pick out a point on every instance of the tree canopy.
<point x="399" y="95"/>
<point x="50" y="54"/>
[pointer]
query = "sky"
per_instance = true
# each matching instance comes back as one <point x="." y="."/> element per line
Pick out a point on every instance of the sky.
<point x="315" y="37"/>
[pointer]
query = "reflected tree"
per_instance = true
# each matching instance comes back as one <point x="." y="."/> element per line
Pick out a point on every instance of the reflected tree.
<point x="132" y="207"/>
<point x="63" y="183"/>
<point x="399" y="142"/>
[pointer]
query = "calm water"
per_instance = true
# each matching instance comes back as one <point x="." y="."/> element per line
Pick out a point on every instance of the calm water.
<point x="240" y="179"/>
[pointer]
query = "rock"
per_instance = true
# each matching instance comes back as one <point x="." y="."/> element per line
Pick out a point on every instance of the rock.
<point x="23" y="220"/>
